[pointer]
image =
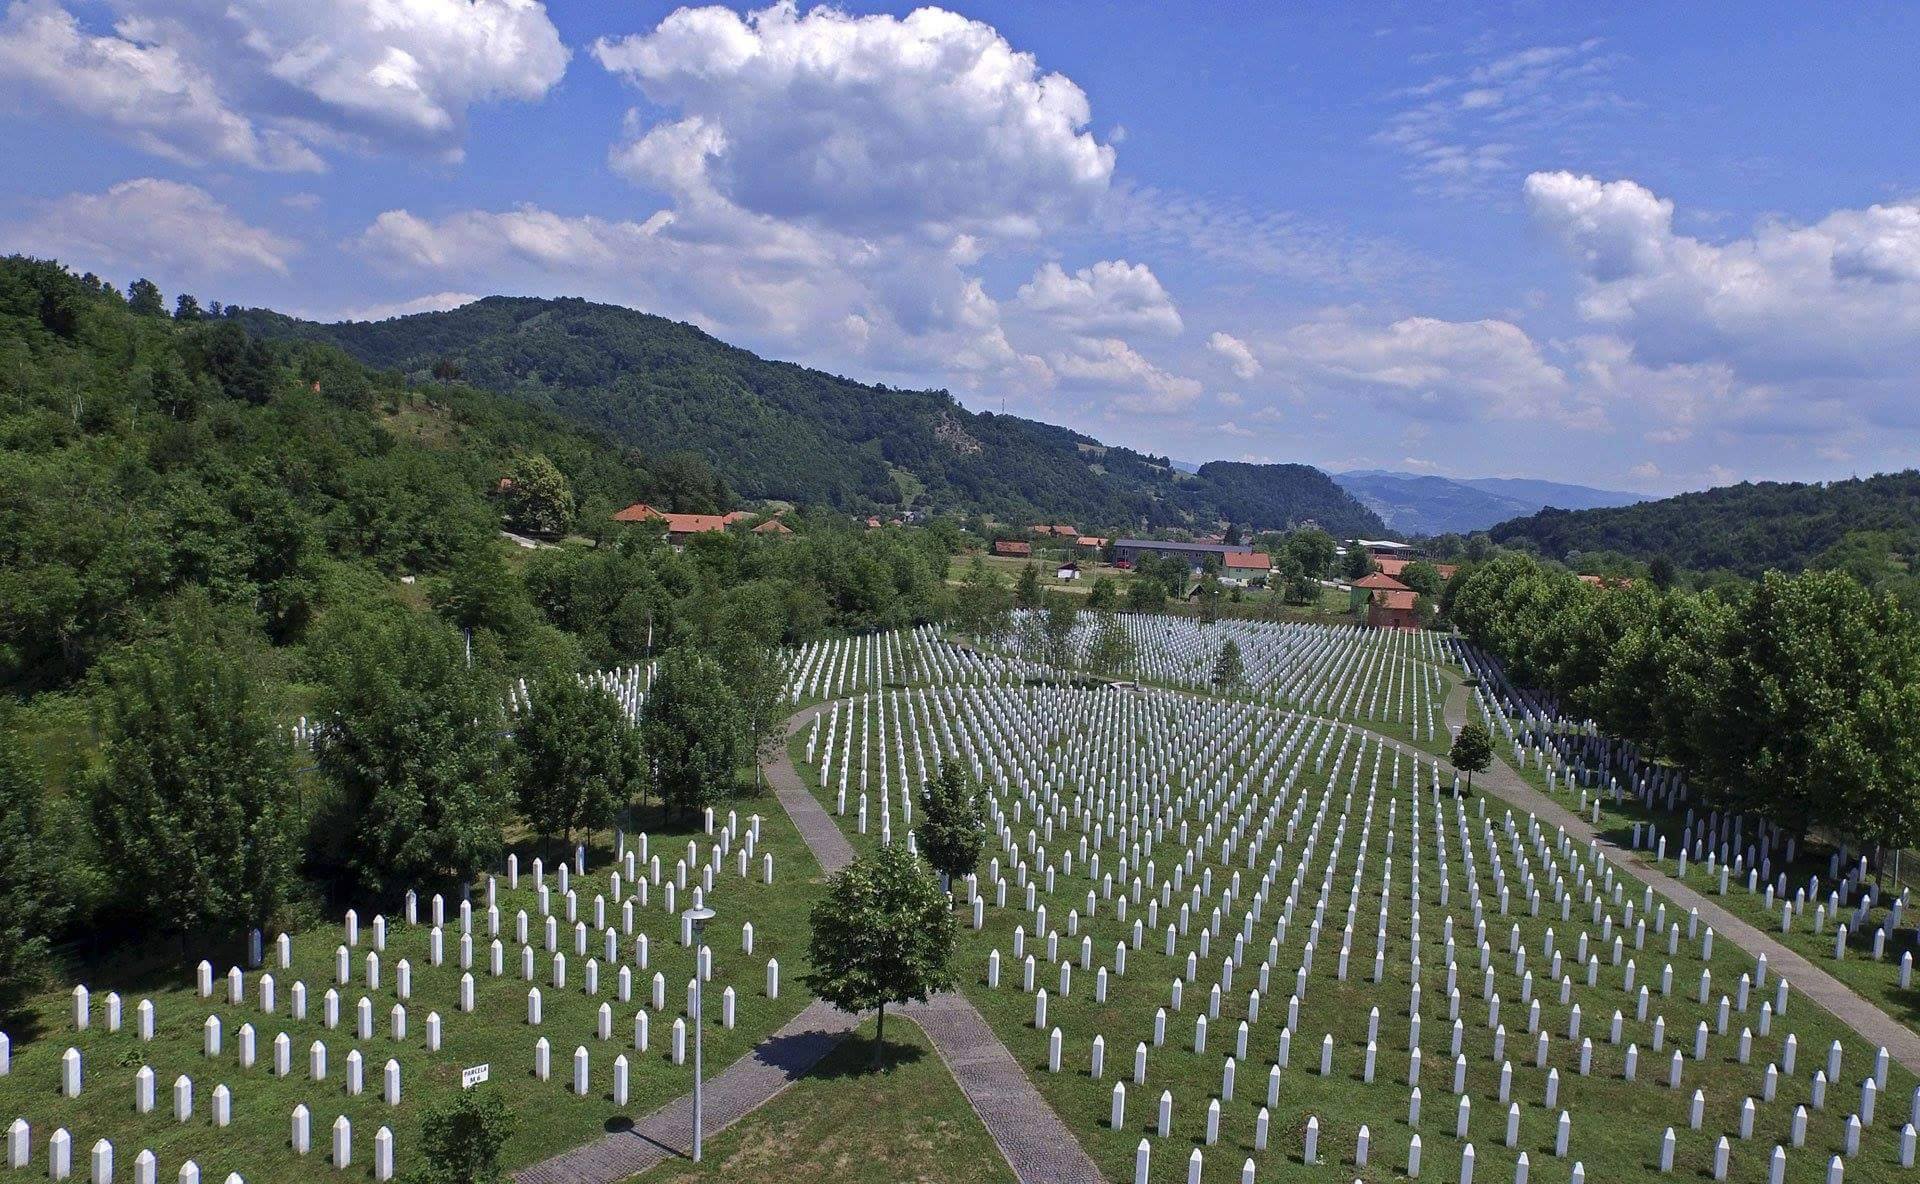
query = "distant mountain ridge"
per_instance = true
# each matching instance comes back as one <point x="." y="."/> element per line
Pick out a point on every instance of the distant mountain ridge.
<point x="781" y="431"/>
<point x="1416" y="503"/>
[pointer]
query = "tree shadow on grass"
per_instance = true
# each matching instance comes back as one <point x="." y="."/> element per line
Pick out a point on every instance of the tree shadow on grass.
<point x="853" y="1058"/>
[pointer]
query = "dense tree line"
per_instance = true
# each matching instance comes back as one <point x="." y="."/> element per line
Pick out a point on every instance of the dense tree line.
<point x="1796" y="696"/>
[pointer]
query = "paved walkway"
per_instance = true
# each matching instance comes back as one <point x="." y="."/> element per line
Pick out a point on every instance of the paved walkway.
<point x="1038" y="1146"/>
<point x="753" y="1080"/>
<point x="810" y="818"/>
<point x="741" y="1088"/>
<point x="1874" y="1025"/>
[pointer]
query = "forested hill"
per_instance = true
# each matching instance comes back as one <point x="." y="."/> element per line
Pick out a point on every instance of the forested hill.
<point x="1746" y="528"/>
<point x="777" y="430"/>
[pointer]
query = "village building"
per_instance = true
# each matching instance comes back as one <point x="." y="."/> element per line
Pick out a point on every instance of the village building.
<point x="1013" y="548"/>
<point x="1388" y="609"/>
<point x="1129" y="551"/>
<point x="1251" y="566"/>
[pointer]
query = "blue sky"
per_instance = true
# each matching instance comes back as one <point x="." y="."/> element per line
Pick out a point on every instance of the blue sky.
<point x="1654" y="247"/>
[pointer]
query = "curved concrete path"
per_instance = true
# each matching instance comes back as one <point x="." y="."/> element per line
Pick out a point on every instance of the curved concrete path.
<point x="742" y="1087"/>
<point x="1036" y="1143"/>
<point x="1873" y="1025"/>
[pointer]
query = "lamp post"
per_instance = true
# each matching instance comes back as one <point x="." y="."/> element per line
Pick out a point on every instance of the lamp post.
<point x="697" y="918"/>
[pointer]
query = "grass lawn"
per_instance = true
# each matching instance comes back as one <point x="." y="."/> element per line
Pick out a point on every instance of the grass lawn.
<point x="846" y="1123"/>
<point x="551" y="1118"/>
<point x="1616" y="1123"/>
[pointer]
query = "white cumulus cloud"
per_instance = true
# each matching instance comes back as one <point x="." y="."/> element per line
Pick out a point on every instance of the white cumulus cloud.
<point x="1431" y="368"/>
<point x="149" y="93"/>
<point x="928" y="123"/>
<point x="1110" y="367"/>
<point x="1837" y="298"/>
<point x="160" y="227"/>
<point x="269" y="84"/>
<point x="1236" y="353"/>
<point x="1110" y="297"/>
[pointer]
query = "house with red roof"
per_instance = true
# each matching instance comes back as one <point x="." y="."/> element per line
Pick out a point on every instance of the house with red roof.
<point x="1388" y="609"/>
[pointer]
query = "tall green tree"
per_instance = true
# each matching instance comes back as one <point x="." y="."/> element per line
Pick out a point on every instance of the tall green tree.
<point x="1207" y="599"/>
<point x="144" y="299"/>
<point x="1145" y="594"/>
<point x="33" y="905"/>
<point x="1472" y="750"/>
<point x="538" y="496"/>
<point x="693" y="731"/>
<point x="883" y="933"/>
<point x="1229" y="669"/>
<point x="952" y="833"/>
<point x="1057" y="623"/>
<point x="1817" y="714"/>
<point x="461" y="1136"/>
<point x="410" y="742"/>
<point x="1105" y="595"/>
<point x="1026" y="593"/>
<point x="982" y="604"/>
<point x="576" y="758"/>
<point x="1359" y="564"/>
<point x="1111" y="650"/>
<point x="192" y="804"/>
<point x="1314" y="549"/>
<point x="1422" y="577"/>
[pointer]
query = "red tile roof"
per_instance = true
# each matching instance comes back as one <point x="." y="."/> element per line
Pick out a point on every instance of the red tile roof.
<point x="637" y="512"/>
<point x="694" y="523"/>
<point x="1249" y="561"/>
<point x="1089" y="540"/>
<point x="773" y="526"/>
<point x="1381" y="582"/>
<point x="1009" y="547"/>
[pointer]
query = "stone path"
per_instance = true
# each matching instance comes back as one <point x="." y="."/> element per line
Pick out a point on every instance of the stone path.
<point x="741" y="1088"/>
<point x="1874" y="1025"/>
<point x="1038" y="1146"/>
<point x="753" y="1080"/>
<point x="810" y="818"/>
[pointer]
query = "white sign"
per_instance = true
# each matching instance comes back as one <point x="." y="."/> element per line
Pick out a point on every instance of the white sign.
<point x="474" y="1076"/>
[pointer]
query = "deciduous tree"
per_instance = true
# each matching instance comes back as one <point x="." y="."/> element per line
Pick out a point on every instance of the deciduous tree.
<point x="952" y="832"/>
<point x="1472" y="750"/>
<point x="576" y="758"/>
<point x="693" y="731"/>
<point x="883" y="933"/>
<point x="192" y="804"/>
<point x="410" y="741"/>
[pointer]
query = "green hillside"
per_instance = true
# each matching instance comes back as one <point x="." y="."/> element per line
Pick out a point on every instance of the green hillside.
<point x="154" y="464"/>
<point x="776" y="430"/>
<point x="1746" y="528"/>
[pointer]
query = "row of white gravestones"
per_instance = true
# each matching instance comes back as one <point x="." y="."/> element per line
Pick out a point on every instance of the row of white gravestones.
<point x="1735" y="851"/>
<point x="627" y="875"/>
<point x="146" y="1165"/>
<point x="1588" y="874"/>
<point x="1342" y="670"/>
